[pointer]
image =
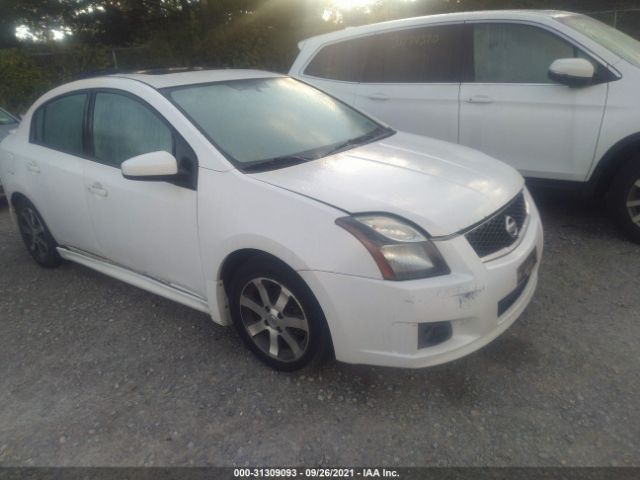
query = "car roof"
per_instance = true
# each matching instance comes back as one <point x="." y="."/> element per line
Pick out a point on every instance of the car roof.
<point x="156" y="79"/>
<point x="173" y="77"/>
<point x="440" y="18"/>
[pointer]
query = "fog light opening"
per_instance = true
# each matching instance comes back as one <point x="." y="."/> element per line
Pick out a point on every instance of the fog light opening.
<point x="432" y="334"/>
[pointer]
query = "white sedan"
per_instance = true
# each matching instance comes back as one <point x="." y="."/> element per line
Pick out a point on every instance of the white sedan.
<point x="256" y="198"/>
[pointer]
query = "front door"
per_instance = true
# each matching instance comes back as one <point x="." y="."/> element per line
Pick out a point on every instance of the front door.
<point x="513" y="112"/>
<point x="149" y="227"/>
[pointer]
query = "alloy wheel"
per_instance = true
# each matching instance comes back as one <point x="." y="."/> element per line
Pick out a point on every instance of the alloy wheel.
<point x="33" y="232"/>
<point x="633" y="203"/>
<point x="274" y="319"/>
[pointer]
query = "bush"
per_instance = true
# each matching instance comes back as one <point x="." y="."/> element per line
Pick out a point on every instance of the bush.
<point x="67" y="62"/>
<point x="22" y="80"/>
<point x="27" y="74"/>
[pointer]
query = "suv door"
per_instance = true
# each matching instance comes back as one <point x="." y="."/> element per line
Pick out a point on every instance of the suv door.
<point x="54" y="163"/>
<point x="149" y="227"/>
<point x="411" y="79"/>
<point x="511" y="110"/>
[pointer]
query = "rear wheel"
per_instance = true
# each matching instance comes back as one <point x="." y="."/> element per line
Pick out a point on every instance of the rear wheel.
<point x="277" y="316"/>
<point x="624" y="199"/>
<point x="36" y="236"/>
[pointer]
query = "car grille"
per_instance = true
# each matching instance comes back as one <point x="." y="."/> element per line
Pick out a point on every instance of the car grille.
<point x="500" y="231"/>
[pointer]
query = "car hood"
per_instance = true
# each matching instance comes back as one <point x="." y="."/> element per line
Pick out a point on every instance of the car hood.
<point x="440" y="186"/>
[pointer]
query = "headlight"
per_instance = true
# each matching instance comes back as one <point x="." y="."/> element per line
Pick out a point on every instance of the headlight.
<point x="399" y="249"/>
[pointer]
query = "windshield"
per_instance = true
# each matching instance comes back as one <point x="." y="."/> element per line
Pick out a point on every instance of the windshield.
<point x="272" y="121"/>
<point x="6" y="119"/>
<point x="618" y="42"/>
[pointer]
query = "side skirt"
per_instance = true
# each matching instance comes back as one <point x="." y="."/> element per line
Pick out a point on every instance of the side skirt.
<point x="139" y="280"/>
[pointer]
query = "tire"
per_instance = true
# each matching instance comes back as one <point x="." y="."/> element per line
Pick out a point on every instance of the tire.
<point x="277" y="316"/>
<point x="624" y="199"/>
<point x="36" y="235"/>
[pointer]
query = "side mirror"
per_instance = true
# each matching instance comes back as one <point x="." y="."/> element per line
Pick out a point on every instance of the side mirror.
<point x="153" y="166"/>
<point x="573" y="72"/>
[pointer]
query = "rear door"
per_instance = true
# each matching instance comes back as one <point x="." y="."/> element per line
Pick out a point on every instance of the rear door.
<point x="510" y="109"/>
<point x="149" y="227"/>
<point x="54" y="163"/>
<point x="411" y="79"/>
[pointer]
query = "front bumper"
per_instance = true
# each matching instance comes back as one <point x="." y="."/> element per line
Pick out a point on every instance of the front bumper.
<point x="376" y="322"/>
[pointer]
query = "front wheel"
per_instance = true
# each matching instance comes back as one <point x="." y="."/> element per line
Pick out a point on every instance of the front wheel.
<point x="277" y="316"/>
<point x="36" y="236"/>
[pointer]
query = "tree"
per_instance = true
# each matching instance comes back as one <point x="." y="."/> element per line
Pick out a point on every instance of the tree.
<point x="40" y="16"/>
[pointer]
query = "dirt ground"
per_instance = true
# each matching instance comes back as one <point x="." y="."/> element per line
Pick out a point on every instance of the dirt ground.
<point x="95" y="372"/>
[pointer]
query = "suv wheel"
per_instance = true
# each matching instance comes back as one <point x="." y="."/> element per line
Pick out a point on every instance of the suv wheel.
<point x="624" y="199"/>
<point x="277" y="316"/>
<point x="36" y="236"/>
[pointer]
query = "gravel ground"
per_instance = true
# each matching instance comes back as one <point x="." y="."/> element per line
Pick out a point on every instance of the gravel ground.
<point x="95" y="372"/>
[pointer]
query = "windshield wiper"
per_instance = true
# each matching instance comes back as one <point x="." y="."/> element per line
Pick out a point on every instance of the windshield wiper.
<point x="296" y="159"/>
<point x="276" y="162"/>
<point x="373" y="135"/>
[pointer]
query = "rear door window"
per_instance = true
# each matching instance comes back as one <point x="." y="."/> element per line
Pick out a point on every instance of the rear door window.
<point x="416" y="55"/>
<point x="58" y="124"/>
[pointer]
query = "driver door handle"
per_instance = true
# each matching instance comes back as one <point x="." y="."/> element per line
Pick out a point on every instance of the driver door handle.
<point x="33" y="167"/>
<point x="378" y="96"/>
<point x="97" y="189"/>
<point x="479" y="99"/>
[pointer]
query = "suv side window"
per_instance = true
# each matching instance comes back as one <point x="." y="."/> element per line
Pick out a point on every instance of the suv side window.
<point x="516" y="53"/>
<point x="58" y="124"/>
<point x="416" y="55"/>
<point x="340" y="61"/>
<point x="124" y="127"/>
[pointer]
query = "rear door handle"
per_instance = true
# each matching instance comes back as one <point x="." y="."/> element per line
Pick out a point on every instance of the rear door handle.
<point x="33" y="167"/>
<point x="479" y="99"/>
<point x="378" y="96"/>
<point x="97" y="189"/>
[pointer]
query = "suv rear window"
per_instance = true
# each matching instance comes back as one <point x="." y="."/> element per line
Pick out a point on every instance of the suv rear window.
<point x="340" y="61"/>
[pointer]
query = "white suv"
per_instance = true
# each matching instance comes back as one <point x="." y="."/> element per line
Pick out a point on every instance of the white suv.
<point x="268" y="204"/>
<point x="554" y="94"/>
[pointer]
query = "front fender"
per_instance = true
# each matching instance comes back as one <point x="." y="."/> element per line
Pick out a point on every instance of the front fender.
<point x="237" y="212"/>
